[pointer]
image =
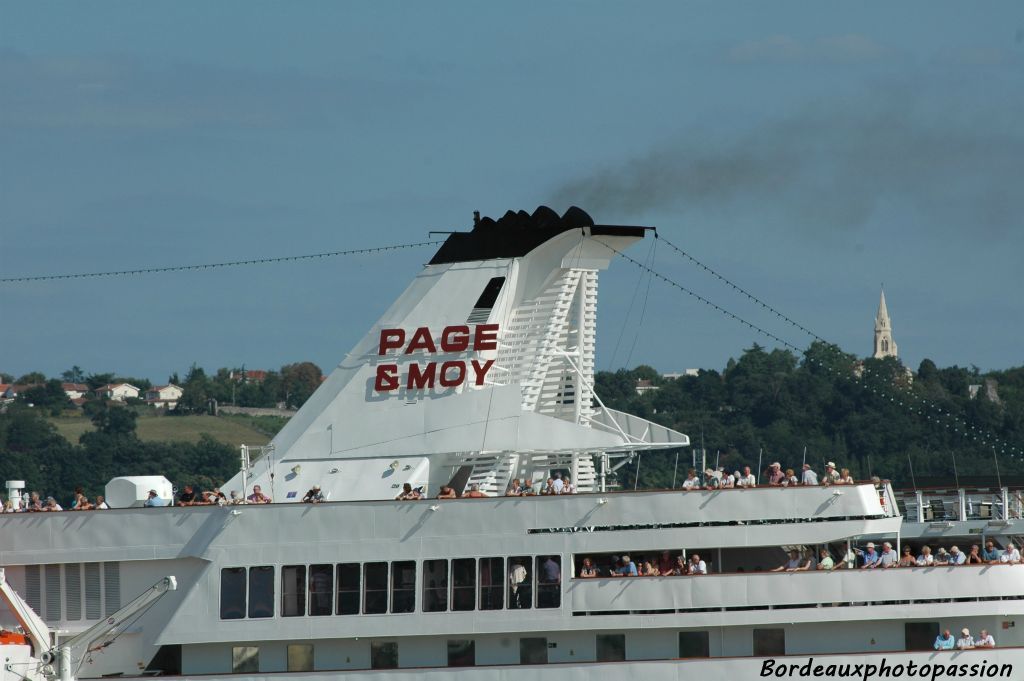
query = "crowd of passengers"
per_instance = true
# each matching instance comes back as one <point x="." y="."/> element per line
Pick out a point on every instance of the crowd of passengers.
<point x="774" y="475"/>
<point x="945" y="640"/>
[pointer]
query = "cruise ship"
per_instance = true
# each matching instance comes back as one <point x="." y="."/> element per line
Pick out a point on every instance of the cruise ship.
<point x="481" y="374"/>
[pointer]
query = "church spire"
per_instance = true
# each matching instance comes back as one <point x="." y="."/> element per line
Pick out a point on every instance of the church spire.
<point x="885" y="346"/>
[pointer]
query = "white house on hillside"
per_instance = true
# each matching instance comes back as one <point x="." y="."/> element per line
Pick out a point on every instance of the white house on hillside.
<point x="75" y="390"/>
<point x="165" y="396"/>
<point x="117" y="391"/>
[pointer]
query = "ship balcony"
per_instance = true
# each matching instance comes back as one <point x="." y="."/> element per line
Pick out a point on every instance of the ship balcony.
<point x="779" y="590"/>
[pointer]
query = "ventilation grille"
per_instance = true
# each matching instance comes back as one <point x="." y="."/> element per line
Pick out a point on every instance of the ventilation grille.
<point x="33" y="588"/>
<point x="111" y="588"/>
<point x="52" y="593"/>
<point x="92" y="591"/>
<point x="73" y="590"/>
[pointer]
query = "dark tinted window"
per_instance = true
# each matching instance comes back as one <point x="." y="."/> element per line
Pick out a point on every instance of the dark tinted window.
<point x="403" y="586"/>
<point x="321" y="589"/>
<point x="694" y="644"/>
<point x="375" y="594"/>
<point x="490" y="294"/>
<point x="435" y="585"/>
<point x="261" y="591"/>
<point x="492" y="583"/>
<point x="549" y="581"/>
<point x="293" y="590"/>
<point x="348" y="589"/>
<point x="769" y="642"/>
<point x="464" y="584"/>
<point x="462" y="653"/>
<point x="232" y="593"/>
<point x="611" y="647"/>
<point x="920" y="635"/>
<point x="383" y="654"/>
<point x="520" y="582"/>
<point x="533" y="651"/>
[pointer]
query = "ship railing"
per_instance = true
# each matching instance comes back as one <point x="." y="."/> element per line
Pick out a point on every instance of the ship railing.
<point x="956" y="505"/>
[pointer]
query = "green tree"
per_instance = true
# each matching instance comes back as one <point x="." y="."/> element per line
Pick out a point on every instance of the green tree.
<point x="73" y="375"/>
<point x="299" y="381"/>
<point x="31" y="377"/>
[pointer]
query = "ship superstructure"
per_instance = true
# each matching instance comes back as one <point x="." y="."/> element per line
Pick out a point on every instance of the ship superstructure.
<point x="481" y="373"/>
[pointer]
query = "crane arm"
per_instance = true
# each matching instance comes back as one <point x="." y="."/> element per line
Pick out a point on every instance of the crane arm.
<point x="33" y="625"/>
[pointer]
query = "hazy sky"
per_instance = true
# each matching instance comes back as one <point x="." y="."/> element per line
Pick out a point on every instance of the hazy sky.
<point x="809" y="151"/>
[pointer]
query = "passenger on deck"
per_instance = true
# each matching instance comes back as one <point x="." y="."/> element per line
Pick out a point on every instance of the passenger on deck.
<point x="791" y="565"/>
<point x="187" y="497"/>
<point x="825" y="560"/>
<point x="907" y="559"/>
<point x="697" y="566"/>
<point x="313" y="496"/>
<point x="257" y="496"/>
<point x="557" y="484"/>
<point x="869" y="558"/>
<point x="549" y="488"/>
<point x="844" y="477"/>
<point x="154" y="501"/>
<point x="34" y="503"/>
<point x="101" y="503"/>
<point x="945" y="641"/>
<point x="235" y="499"/>
<point x="528" y="490"/>
<point x="808" y="477"/>
<point x="956" y="556"/>
<point x="516" y="576"/>
<point x="942" y="557"/>
<point x="831" y="476"/>
<point x="1011" y="556"/>
<point x="808" y="562"/>
<point x="215" y="498"/>
<point x="587" y="570"/>
<point x="627" y="569"/>
<point x="651" y="570"/>
<point x="990" y="554"/>
<point x="678" y="568"/>
<point x="888" y="557"/>
<point x="446" y="493"/>
<point x="747" y="479"/>
<point x="408" y="494"/>
<point x="925" y="559"/>
<point x="965" y="642"/>
<point x="711" y="481"/>
<point x="691" y="482"/>
<point x="568" y="489"/>
<point x="791" y="479"/>
<point x="474" y="492"/>
<point x="665" y="562"/>
<point x="515" y="489"/>
<point x="81" y="503"/>
<point x="775" y="474"/>
<point x="984" y="640"/>
<point x="727" y="481"/>
<point x="52" y="505"/>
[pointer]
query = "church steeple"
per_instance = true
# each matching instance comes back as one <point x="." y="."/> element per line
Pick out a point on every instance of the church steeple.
<point x="885" y="346"/>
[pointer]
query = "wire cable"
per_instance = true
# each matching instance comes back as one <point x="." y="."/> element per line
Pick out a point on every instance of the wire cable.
<point x="210" y="266"/>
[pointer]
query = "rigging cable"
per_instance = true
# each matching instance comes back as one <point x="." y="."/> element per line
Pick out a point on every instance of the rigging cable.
<point x="210" y="266"/>
<point x="978" y="436"/>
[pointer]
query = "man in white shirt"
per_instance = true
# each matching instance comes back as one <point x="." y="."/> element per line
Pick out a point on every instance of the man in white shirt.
<point x="808" y="477"/>
<point x="985" y="640"/>
<point x="965" y="642"/>
<point x="1011" y="556"/>
<point x="697" y="566"/>
<point x="557" y="484"/>
<point x="831" y="474"/>
<point x="747" y="479"/>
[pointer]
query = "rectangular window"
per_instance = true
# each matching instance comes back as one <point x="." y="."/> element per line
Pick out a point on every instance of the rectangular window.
<point x="694" y="644"/>
<point x="549" y="581"/>
<point x="293" y="590"/>
<point x="769" y="642"/>
<point x="52" y="576"/>
<point x="920" y="635"/>
<point x="73" y="590"/>
<point x="462" y="653"/>
<point x="300" y="657"/>
<point x="92" y="591"/>
<point x="533" y="651"/>
<point x="245" y="659"/>
<point x="492" y="583"/>
<point x="261" y="591"/>
<point x="232" y="593"/>
<point x="383" y="654"/>
<point x="403" y="586"/>
<point x="611" y="647"/>
<point x="435" y="585"/>
<point x="375" y="594"/>
<point x="520" y="582"/>
<point x="111" y="588"/>
<point x="464" y="584"/>
<point x="348" y="589"/>
<point x="321" y="589"/>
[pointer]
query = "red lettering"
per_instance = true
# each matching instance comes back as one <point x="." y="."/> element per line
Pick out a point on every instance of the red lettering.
<point x="455" y="339"/>
<point x="486" y="337"/>
<point x="459" y="377"/>
<point x="481" y="370"/>
<point x="421" y="340"/>
<point x="419" y="380"/>
<point x="387" y="378"/>
<point x="391" y="339"/>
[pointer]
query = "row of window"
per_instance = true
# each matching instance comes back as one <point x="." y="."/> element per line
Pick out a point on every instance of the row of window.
<point x="532" y="650"/>
<point x="72" y="591"/>
<point x="374" y="588"/>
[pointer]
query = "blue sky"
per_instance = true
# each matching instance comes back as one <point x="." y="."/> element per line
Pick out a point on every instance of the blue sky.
<point x="809" y="151"/>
